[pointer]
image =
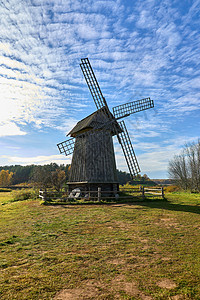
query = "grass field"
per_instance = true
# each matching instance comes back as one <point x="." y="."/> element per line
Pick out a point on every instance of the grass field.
<point x="145" y="250"/>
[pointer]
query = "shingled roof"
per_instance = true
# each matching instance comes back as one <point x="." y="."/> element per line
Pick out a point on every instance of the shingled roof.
<point x="92" y="121"/>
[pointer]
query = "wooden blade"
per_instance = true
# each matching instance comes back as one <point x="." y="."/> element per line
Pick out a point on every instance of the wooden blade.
<point x="126" y="109"/>
<point x="128" y="151"/>
<point x="92" y="83"/>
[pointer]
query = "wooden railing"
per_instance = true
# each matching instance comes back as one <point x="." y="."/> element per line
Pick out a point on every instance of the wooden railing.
<point x="153" y="191"/>
<point x="126" y="193"/>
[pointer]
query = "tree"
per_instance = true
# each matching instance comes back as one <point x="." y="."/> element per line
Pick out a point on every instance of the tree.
<point x="138" y="177"/>
<point x="58" y="178"/>
<point x="123" y="177"/>
<point x="49" y="175"/>
<point x="145" y="177"/>
<point x="185" y="168"/>
<point x="42" y="176"/>
<point x="5" y="177"/>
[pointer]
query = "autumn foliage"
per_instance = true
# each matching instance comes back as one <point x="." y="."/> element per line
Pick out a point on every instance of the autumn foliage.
<point x="5" y="177"/>
<point x="58" y="178"/>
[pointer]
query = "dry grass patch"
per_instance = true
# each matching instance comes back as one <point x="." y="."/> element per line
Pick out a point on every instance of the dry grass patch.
<point x="167" y="284"/>
<point x="88" y="291"/>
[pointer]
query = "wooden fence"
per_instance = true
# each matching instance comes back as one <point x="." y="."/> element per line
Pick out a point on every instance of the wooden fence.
<point x="127" y="193"/>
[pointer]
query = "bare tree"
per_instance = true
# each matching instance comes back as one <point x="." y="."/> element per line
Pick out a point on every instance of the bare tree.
<point x="185" y="168"/>
<point x="193" y="156"/>
<point x="178" y="171"/>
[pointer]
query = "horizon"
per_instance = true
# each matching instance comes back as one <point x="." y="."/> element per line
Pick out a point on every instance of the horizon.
<point x="137" y="50"/>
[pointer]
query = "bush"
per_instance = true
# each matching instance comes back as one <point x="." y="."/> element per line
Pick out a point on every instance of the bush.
<point x="128" y="186"/>
<point x="24" y="194"/>
<point x="172" y="188"/>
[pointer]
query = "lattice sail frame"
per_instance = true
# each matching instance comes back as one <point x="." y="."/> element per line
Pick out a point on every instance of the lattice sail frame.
<point x="67" y="147"/>
<point x="92" y="83"/>
<point x="125" y="110"/>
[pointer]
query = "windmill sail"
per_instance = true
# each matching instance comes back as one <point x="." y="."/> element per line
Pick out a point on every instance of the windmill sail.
<point x="126" y="109"/>
<point x="92" y="83"/>
<point x="128" y="151"/>
<point x="67" y="147"/>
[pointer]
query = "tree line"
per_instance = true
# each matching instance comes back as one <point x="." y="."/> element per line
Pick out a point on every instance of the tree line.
<point x="29" y="173"/>
<point x="44" y="175"/>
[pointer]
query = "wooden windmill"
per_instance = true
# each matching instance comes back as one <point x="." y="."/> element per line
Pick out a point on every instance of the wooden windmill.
<point x="93" y="162"/>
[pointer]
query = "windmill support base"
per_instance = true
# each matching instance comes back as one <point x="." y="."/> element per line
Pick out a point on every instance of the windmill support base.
<point x="108" y="189"/>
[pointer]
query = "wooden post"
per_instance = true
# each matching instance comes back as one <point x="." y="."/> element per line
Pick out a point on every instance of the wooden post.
<point x="162" y="192"/>
<point x="44" y="196"/>
<point x="115" y="191"/>
<point x="143" y="192"/>
<point x="99" y="193"/>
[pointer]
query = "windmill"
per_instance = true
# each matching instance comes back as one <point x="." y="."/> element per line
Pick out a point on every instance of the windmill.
<point x="93" y="162"/>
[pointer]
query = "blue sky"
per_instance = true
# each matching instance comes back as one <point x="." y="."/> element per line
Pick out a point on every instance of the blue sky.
<point x="138" y="49"/>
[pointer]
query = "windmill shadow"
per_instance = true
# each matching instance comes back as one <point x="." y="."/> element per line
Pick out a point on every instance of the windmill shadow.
<point x="167" y="205"/>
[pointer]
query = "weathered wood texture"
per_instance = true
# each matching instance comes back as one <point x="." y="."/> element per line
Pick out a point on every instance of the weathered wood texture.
<point x="93" y="158"/>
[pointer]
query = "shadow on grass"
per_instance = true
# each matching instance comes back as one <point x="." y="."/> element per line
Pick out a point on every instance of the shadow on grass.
<point x="155" y="203"/>
<point x="165" y="204"/>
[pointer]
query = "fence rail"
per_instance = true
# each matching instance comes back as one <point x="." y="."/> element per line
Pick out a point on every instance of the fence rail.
<point x="99" y="195"/>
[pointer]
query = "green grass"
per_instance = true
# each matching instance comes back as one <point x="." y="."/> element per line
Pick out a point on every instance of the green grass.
<point x="145" y="250"/>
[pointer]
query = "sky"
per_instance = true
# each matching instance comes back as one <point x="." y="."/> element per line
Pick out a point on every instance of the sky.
<point x="138" y="49"/>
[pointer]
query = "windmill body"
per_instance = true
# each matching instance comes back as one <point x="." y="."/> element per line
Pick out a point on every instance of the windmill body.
<point x="93" y="162"/>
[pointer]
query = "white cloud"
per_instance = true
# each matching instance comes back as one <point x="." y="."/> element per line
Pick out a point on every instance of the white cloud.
<point x="38" y="160"/>
<point x="67" y="125"/>
<point x="87" y="32"/>
<point x="8" y="129"/>
<point x="41" y="33"/>
<point x="146" y="19"/>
